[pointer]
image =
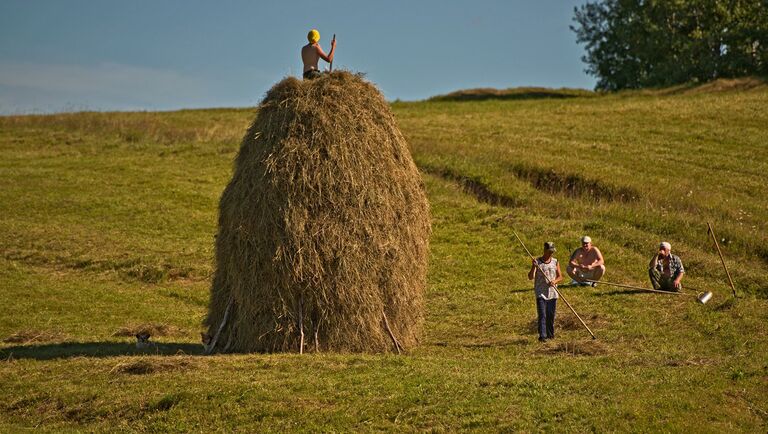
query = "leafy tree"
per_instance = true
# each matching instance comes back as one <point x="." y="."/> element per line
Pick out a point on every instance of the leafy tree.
<point x="640" y="43"/>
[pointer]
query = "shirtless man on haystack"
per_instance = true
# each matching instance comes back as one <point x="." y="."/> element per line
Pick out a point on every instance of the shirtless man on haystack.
<point x="312" y="53"/>
<point x="586" y="263"/>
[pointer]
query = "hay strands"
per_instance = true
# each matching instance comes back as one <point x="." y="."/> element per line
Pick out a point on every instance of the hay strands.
<point x="558" y="291"/>
<point x="212" y="345"/>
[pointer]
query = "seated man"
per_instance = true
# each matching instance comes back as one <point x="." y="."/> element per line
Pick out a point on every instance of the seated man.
<point x="665" y="269"/>
<point x="586" y="263"/>
<point x="312" y="53"/>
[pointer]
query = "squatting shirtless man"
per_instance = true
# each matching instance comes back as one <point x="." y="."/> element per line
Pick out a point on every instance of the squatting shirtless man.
<point x="313" y="52"/>
<point x="586" y="263"/>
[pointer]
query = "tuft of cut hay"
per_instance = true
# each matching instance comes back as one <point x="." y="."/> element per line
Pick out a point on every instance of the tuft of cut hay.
<point x="568" y="321"/>
<point x="324" y="228"/>
<point x="146" y="365"/>
<point x="565" y="320"/>
<point x="575" y="348"/>
<point x="34" y="336"/>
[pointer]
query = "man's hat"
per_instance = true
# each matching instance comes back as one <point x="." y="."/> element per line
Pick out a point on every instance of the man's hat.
<point x="549" y="246"/>
<point x="586" y="239"/>
<point x="313" y="36"/>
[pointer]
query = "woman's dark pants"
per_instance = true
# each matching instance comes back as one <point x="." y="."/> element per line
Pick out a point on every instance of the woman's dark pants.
<point x="546" y="311"/>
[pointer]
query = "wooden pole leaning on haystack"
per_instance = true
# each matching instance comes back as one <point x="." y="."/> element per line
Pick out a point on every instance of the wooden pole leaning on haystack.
<point x="209" y="348"/>
<point x="398" y="347"/>
<point x="316" y="326"/>
<point x="301" y="323"/>
<point x="722" y="260"/>
<point x="555" y="286"/>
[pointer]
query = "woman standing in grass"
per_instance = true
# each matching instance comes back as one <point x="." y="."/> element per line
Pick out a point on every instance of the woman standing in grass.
<point x="546" y="290"/>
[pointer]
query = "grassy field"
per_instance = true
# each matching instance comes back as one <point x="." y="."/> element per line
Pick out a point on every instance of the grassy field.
<point x="108" y="221"/>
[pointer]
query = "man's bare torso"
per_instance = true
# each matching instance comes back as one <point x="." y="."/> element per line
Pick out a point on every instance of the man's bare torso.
<point x="310" y="55"/>
<point x="583" y="257"/>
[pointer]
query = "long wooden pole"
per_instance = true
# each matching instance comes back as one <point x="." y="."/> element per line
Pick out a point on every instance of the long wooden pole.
<point x="555" y="286"/>
<point x="330" y="69"/>
<point x="215" y="339"/>
<point x="391" y="335"/>
<point x="686" y="287"/>
<point x="301" y="323"/>
<point x="602" y="282"/>
<point x="722" y="260"/>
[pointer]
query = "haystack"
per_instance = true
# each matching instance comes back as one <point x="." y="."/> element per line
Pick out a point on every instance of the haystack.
<point x="324" y="228"/>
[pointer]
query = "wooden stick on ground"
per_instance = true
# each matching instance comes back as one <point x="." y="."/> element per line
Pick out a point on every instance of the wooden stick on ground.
<point x="603" y="282"/>
<point x="215" y="339"/>
<point x="391" y="335"/>
<point x="555" y="286"/>
<point x="722" y="260"/>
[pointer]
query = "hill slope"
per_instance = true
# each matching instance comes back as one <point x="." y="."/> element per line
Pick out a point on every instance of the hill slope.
<point x="108" y="223"/>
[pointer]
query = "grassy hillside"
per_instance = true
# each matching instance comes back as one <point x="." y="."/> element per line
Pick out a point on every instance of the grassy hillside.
<point x="108" y="223"/>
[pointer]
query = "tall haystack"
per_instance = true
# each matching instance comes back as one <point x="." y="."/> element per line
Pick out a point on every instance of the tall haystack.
<point x="324" y="228"/>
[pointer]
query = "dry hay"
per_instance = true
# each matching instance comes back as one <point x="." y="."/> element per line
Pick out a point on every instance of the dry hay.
<point x="568" y="321"/>
<point x="590" y="347"/>
<point x="726" y="85"/>
<point x="741" y="84"/>
<point x="153" y="329"/>
<point x="690" y="361"/>
<point x="324" y="227"/>
<point x="515" y="93"/>
<point x="146" y="365"/>
<point x="34" y="336"/>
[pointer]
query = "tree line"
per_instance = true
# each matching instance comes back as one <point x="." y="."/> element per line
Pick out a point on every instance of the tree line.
<point x="642" y="43"/>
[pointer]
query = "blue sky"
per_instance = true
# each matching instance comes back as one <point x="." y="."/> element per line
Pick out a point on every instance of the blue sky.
<point x="160" y="55"/>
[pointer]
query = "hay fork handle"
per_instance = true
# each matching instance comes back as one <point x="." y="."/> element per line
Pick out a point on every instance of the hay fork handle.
<point x="719" y="252"/>
<point x="555" y="286"/>
<point x="330" y="68"/>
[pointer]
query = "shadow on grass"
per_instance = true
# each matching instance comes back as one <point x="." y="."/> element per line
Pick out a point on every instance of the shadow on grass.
<point x="66" y="350"/>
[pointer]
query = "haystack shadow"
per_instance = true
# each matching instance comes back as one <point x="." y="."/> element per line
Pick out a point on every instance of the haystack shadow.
<point x="65" y="350"/>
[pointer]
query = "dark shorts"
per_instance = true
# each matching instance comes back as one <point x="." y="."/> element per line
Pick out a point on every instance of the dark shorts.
<point x="312" y="73"/>
<point x="661" y="282"/>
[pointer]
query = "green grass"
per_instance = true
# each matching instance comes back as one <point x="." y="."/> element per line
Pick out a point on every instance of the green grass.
<point x="108" y="223"/>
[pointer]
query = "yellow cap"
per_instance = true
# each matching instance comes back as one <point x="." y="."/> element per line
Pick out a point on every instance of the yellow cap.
<point x="313" y="36"/>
